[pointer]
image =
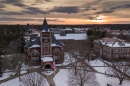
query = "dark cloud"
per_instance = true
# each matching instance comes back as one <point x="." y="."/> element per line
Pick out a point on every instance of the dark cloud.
<point x="104" y="11"/>
<point x="38" y="2"/>
<point x="112" y="9"/>
<point x="33" y="10"/>
<point x="48" y="0"/>
<point x="120" y="6"/>
<point x="18" y="3"/>
<point x="2" y="5"/>
<point x="94" y="2"/>
<point x="89" y="6"/>
<point x="14" y="19"/>
<point x="3" y="12"/>
<point x="67" y="9"/>
<point x="51" y="20"/>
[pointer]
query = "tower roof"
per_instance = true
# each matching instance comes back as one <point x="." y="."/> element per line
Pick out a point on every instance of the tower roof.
<point x="45" y="25"/>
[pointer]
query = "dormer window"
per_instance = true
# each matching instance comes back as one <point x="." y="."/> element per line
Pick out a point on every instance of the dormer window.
<point x="121" y="43"/>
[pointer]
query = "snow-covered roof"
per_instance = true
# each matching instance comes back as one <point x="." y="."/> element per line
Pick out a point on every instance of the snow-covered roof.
<point x="116" y="44"/>
<point x="113" y="42"/>
<point x="115" y="33"/>
<point x="54" y="44"/>
<point x="35" y="45"/>
<point x="47" y="59"/>
<point x="73" y="36"/>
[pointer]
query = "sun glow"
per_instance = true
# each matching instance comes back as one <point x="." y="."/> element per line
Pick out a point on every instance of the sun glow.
<point x="99" y="19"/>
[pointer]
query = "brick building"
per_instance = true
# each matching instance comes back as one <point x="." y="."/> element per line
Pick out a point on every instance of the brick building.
<point x="112" y="48"/>
<point x="45" y="49"/>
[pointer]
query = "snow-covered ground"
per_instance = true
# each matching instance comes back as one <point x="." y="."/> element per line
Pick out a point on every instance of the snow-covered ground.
<point x="61" y="78"/>
<point x="13" y="82"/>
<point x="5" y="75"/>
<point x="103" y="80"/>
<point x="16" y="82"/>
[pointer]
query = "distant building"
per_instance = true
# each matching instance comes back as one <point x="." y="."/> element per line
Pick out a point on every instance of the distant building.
<point x="112" y="48"/>
<point x="44" y="50"/>
<point x="115" y="33"/>
<point x="69" y="37"/>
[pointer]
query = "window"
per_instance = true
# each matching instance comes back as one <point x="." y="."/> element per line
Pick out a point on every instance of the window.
<point x="45" y="35"/>
<point x="127" y="50"/>
<point x="116" y="50"/>
<point x="35" y="59"/>
<point x="119" y="50"/>
<point x="127" y="55"/>
<point x="116" y="56"/>
<point x="56" y="58"/>
<point x="56" y="51"/>
<point x="109" y="50"/>
<point x="35" y="52"/>
<point x="46" y="52"/>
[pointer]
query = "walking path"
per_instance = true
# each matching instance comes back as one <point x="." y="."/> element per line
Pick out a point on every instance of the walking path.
<point x="50" y="77"/>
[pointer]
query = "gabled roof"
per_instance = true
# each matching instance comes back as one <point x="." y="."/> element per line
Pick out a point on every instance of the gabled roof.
<point x="113" y="42"/>
<point x="31" y="44"/>
<point x="37" y="43"/>
<point x="56" y="42"/>
<point x="45" y="26"/>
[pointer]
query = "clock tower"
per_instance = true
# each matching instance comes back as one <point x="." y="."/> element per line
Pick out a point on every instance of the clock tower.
<point x="45" y="40"/>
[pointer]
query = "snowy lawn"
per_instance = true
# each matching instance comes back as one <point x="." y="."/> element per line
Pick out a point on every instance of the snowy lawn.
<point x="61" y="78"/>
<point x="16" y="82"/>
<point x="5" y="75"/>
<point x="103" y="80"/>
<point x="13" y="82"/>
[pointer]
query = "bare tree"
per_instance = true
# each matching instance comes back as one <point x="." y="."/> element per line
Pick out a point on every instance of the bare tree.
<point x="122" y="67"/>
<point x="13" y="57"/>
<point x="81" y="51"/>
<point x="33" y="79"/>
<point x="1" y="64"/>
<point x="82" y="77"/>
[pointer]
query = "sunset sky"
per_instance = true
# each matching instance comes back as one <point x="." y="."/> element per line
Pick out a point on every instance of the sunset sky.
<point x="65" y="11"/>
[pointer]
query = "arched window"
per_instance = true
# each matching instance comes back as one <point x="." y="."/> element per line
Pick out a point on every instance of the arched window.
<point x="56" y="51"/>
<point x="35" y="53"/>
<point x="35" y="56"/>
